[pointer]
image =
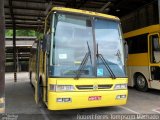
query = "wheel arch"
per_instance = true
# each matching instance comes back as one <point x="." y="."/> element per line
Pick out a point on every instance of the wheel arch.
<point x="139" y="73"/>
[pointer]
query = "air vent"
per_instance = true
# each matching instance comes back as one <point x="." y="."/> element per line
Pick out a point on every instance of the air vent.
<point x="104" y="86"/>
<point x="84" y="87"/>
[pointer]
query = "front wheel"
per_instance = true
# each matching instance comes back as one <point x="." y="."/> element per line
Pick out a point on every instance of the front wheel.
<point x="141" y="83"/>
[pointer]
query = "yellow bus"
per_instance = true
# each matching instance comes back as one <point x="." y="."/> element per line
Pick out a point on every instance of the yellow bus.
<point x="144" y="57"/>
<point x="80" y="62"/>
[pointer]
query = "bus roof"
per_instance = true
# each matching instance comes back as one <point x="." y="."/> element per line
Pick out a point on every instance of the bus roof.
<point x="85" y="12"/>
<point x="149" y="29"/>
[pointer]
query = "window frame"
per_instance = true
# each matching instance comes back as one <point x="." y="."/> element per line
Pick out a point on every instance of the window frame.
<point x="149" y="47"/>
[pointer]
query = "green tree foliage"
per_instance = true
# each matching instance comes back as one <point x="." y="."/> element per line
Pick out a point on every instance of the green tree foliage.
<point x="39" y="35"/>
<point x="25" y="33"/>
<point x="9" y="32"/>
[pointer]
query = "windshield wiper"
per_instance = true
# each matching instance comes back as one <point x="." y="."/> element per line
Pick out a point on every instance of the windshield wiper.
<point x="89" y="51"/>
<point x="105" y="63"/>
<point x="84" y="61"/>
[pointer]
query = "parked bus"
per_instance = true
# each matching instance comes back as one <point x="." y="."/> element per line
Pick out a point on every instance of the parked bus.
<point x="80" y="62"/>
<point x="144" y="57"/>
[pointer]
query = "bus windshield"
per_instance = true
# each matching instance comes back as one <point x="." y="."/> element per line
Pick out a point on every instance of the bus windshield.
<point x="109" y="40"/>
<point x="73" y="46"/>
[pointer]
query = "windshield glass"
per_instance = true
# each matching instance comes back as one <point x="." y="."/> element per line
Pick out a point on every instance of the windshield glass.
<point x="72" y="34"/>
<point x="73" y="47"/>
<point x="109" y="41"/>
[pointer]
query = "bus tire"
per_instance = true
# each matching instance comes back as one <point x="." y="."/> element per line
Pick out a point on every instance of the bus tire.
<point x="141" y="82"/>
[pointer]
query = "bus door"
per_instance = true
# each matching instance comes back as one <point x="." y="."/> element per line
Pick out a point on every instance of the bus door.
<point x="154" y="56"/>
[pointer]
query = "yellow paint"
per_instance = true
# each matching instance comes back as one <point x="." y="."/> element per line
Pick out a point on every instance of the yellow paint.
<point x="149" y="29"/>
<point x="71" y="10"/>
<point x="140" y="59"/>
<point x="2" y="100"/>
<point x="149" y="48"/>
<point x="136" y="62"/>
<point x="78" y="11"/>
<point x="80" y="97"/>
<point x="36" y="92"/>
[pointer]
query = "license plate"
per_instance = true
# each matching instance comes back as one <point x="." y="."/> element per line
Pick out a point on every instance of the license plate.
<point x="92" y="98"/>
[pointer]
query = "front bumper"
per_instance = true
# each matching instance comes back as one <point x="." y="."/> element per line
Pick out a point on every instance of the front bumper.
<point x="80" y="99"/>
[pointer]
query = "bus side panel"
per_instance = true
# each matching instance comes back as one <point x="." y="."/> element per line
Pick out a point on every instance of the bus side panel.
<point x="33" y="68"/>
<point x="43" y="73"/>
<point x="132" y="70"/>
<point x="137" y="63"/>
<point x="140" y="59"/>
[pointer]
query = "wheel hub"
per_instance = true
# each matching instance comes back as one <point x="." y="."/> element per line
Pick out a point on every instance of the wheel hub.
<point x="140" y="81"/>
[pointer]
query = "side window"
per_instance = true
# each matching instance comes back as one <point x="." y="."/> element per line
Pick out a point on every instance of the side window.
<point x="154" y="48"/>
<point x="137" y="44"/>
<point x="47" y="35"/>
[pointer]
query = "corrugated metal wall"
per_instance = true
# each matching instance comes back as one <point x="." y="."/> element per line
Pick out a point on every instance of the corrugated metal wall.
<point x="142" y="17"/>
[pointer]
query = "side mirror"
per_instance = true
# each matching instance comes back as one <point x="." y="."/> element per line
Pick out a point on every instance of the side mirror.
<point x="46" y="43"/>
<point x="125" y="50"/>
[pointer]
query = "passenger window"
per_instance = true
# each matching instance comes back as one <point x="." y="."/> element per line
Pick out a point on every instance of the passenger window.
<point x="137" y="44"/>
<point x="155" y="72"/>
<point x="154" y="48"/>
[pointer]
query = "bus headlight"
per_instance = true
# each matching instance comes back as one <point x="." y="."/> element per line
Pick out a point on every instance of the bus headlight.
<point x="120" y="86"/>
<point x="61" y="87"/>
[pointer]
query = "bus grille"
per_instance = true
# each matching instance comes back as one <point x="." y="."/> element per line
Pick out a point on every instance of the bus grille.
<point x="91" y="87"/>
<point x="84" y="87"/>
<point x="104" y="86"/>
